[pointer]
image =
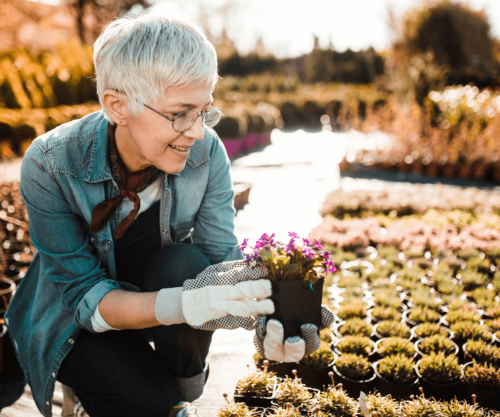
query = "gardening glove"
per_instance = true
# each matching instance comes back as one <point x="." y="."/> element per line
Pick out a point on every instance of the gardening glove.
<point x="269" y="338"/>
<point x="227" y="295"/>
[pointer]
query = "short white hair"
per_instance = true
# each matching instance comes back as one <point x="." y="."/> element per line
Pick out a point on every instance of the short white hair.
<point x="140" y="57"/>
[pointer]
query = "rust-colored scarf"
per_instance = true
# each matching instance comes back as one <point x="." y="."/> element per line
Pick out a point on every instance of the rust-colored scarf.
<point x="130" y="185"/>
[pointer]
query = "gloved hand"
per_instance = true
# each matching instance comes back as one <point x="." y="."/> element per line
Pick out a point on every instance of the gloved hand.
<point x="223" y="296"/>
<point x="268" y="339"/>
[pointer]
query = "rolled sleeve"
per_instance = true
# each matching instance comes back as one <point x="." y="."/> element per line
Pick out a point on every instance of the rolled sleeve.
<point x="67" y="257"/>
<point x="214" y="225"/>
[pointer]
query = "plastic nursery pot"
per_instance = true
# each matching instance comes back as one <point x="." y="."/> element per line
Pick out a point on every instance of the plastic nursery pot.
<point x="398" y="392"/>
<point x="449" y="333"/>
<point x="3" y="334"/>
<point x="295" y="305"/>
<point x="421" y="354"/>
<point x="251" y="400"/>
<point x="443" y="392"/>
<point x="7" y="289"/>
<point x="352" y="386"/>
<point x="489" y="399"/>
<point x="282" y="369"/>
<point x="315" y="377"/>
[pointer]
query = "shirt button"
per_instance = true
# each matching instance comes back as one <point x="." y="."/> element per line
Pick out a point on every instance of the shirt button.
<point x="71" y="341"/>
<point x="46" y="402"/>
<point x="53" y="374"/>
<point x="164" y="230"/>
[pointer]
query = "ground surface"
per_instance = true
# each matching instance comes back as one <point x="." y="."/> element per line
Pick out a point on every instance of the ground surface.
<point x="290" y="178"/>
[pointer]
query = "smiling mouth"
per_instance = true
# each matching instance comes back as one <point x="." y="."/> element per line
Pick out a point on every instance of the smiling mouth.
<point x="180" y="149"/>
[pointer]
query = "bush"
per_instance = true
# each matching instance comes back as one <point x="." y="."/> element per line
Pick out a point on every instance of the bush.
<point x="259" y="384"/>
<point x="469" y="330"/>
<point x="355" y="327"/>
<point x="382" y="406"/>
<point x="439" y="368"/>
<point x="462" y="315"/>
<point x="337" y="402"/>
<point x="354" y="367"/>
<point x="395" y="346"/>
<point x="436" y="344"/>
<point x="429" y="329"/>
<point x="484" y="377"/>
<point x="423" y="315"/>
<point x="386" y="313"/>
<point x="293" y="391"/>
<point x="483" y="352"/>
<point x="398" y="369"/>
<point x="352" y="312"/>
<point x="393" y="329"/>
<point x="356" y="345"/>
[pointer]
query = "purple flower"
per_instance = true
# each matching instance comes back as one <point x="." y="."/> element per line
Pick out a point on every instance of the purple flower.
<point x="318" y="245"/>
<point x="307" y="252"/>
<point x="293" y="235"/>
<point x="244" y="244"/>
<point x="291" y="247"/>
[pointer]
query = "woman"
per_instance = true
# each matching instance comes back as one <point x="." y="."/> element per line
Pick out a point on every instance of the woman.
<point x="131" y="210"/>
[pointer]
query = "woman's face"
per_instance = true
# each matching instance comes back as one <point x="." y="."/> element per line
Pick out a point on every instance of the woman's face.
<point x="150" y="139"/>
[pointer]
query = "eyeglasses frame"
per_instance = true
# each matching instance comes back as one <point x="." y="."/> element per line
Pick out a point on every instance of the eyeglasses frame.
<point x="202" y="114"/>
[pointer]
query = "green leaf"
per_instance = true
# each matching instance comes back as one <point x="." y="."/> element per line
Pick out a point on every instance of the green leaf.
<point x="291" y="271"/>
<point x="266" y="254"/>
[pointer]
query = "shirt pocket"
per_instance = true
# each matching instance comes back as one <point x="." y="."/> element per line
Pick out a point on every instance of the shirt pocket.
<point x="181" y="233"/>
<point x="102" y="246"/>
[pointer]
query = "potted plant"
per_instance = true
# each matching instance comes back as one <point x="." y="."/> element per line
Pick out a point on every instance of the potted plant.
<point x="420" y="315"/>
<point x="294" y="392"/>
<point x="390" y="328"/>
<point x="419" y="406"/>
<point x="232" y="409"/>
<point x="358" y="345"/>
<point x="286" y="411"/>
<point x="314" y="368"/>
<point x="471" y="279"/>
<point x="440" y="375"/>
<point x="296" y="271"/>
<point x="336" y="402"/>
<point x="436" y="344"/>
<point x="389" y="299"/>
<point x="430" y="329"/>
<point x="481" y="352"/>
<point x="464" y="331"/>
<point x="461" y="315"/>
<point x="355" y="374"/>
<point x="256" y="389"/>
<point x="384" y="313"/>
<point x="354" y="311"/>
<point x="353" y="327"/>
<point x="396" y="376"/>
<point x="382" y="406"/>
<point x="456" y="408"/>
<point x="395" y="346"/>
<point x="483" y="381"/>
<point x="281" y="369"/>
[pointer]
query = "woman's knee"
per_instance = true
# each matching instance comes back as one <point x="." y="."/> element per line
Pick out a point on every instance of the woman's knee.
<point x="174" y="264"/>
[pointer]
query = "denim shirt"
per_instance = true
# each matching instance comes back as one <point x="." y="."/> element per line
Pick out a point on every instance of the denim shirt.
<point x="65" y="173"/>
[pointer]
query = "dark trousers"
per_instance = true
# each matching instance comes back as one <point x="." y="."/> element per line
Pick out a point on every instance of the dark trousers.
<point x="118" y="373"/>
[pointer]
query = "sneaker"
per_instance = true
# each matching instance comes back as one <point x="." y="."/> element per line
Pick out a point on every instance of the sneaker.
<point x="184" y="410"/>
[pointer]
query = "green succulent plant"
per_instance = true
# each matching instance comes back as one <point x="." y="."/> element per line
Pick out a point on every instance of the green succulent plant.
<point x="494" y="312"/>
<point x="470" y="330"/>
<point x="429" y="329"/>
<point x="358" y="345"/>
<point x="231" y="409"/>
<point x="483" y="352"/>
<point x="354" y="367"/>
<point x="423" y="315"/>
<point x="486" y="377"/>
<point x="448" y="287"/>
<point x="385" y="313"/>
<point x="460" y="305"/>
<point x="395" y="346"/>
<point x="382" y="406"/>
<point x="387" y="299"/>
<point x="319" y="358"/>
<point x="424" y="299"/>
<point x="483" y="296"/>
<point x="455" y="408"/>
<point x="293" y="391"/>
<point x="462" y="315"/>
<point x="477" y="263"/>
<point x="336" y="402"/>
<point x="287" y="411"/>
<point x="355" y="327"/>
<point x="355" y="311"/>
<point x="440" y="368"/>
<point x="392" y="328"/>
<point x="419" y="407"/>
<point x="436" y="343"/>
<point x="258" y="384"/>
<point x="398" y="369"/>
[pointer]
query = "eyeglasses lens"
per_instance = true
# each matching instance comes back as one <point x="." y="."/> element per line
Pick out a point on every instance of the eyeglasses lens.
<point x="186" y="120"/>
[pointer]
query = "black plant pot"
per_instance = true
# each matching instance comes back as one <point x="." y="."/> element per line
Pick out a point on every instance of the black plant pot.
<point x="490" y="399"/>
<point x="314" y="377"/>
<point x="296" y="305"/>
<point x="253" y="401"/>
<point x="282" y="369"/>
<point x="353" y="387"/>
<point x="398" y="392"/>
<point x="414" y="334"/>
<point x="441" y="392"/>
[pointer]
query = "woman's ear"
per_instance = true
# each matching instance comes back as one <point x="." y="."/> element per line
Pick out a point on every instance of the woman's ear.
<point x="116" y="106"/>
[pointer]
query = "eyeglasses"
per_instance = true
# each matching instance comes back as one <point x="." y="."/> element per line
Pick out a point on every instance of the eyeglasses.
<point x="186" y="119"/>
